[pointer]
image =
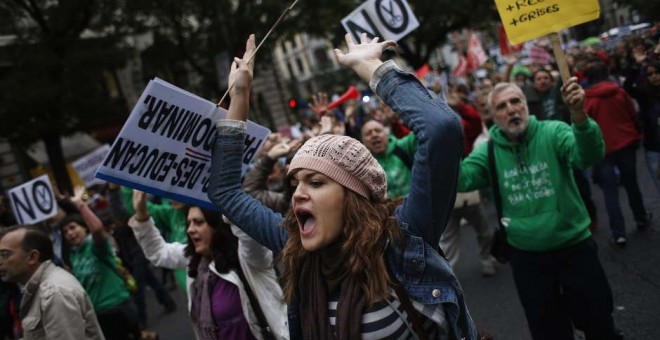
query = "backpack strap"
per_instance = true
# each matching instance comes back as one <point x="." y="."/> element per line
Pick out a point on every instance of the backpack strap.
<point x="495" y="185"/>
<point x="266" y="331"/>
<point x="403" y="156"/>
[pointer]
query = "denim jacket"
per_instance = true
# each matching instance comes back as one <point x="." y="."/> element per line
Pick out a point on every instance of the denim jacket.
<point x="424" y="273"/>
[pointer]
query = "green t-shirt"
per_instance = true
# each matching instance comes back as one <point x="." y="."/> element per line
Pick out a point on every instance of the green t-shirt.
<point x="92" y="267"/>
<point x="398" y="174"/>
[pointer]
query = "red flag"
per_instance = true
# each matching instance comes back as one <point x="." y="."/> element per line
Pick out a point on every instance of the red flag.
<point x="539" y="55"/>
<point x="461" y="68"/>
<point x="505" y="46"/>
<point x="422" y="71"/>
<point x="475" y="53"/>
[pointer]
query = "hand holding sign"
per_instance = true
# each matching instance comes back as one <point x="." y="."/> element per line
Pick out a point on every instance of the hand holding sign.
<point x="242" y="70"/>
<point x="574" y="96"/>
<point x="363" y="58"/>
<point x="529" y="19"/>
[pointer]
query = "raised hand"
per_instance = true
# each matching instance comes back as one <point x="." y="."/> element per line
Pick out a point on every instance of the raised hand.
<point x="79" y="196"/>
<point x="240" y="81"/>
<point x="363" y="58"/>
<point x="140" y="205"/>
<point x="242" y="70"/>
<point x="573" y="95"/>
<point x="320" y="102"/>
<point x="279" y="150"/>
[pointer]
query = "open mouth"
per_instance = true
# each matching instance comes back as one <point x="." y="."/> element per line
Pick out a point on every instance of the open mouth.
<point x="515" y="121"/>
<point x="306" y="221"/>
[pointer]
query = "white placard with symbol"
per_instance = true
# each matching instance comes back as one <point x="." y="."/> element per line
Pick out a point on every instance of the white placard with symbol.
<point x="386" y="19"/>
<point x="33" y="201"/>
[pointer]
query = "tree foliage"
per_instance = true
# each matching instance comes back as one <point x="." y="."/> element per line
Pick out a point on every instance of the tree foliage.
<point x="57" y="70"/>
<point x="65" y="50"/>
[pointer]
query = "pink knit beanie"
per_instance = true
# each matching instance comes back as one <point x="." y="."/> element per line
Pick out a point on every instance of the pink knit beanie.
<point x="346" y="161"/>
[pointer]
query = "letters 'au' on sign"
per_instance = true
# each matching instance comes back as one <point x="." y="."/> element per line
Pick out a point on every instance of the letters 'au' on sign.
<point x="165" y="145"/>
<point x="386" y="19"/>
<point x="529" y="19"/>
<point x="33" y="201"/>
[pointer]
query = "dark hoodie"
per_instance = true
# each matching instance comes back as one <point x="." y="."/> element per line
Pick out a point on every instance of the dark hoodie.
<point x="613" y="110"/>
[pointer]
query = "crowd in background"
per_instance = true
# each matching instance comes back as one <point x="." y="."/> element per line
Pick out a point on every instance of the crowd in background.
<point x="92" y="238"/>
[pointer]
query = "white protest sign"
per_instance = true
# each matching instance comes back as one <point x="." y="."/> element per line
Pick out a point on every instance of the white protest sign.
<point x="165" y="145"/>
<point x="33" y="201"/>
<point x="86" y="166"/>
<point x="386" y="19"/>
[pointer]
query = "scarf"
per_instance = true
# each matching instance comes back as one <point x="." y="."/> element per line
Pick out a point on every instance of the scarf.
<point x="323" y="274"/>
<point x="200" y="309"/>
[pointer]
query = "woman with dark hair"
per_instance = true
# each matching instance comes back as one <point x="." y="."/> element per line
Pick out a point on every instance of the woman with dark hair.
<point x="233" y="289"/>
<point x="357" y="265"/>
<point x="93" y="263"/>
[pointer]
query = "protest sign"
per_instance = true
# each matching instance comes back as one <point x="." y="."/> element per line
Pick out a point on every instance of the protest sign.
<point x="528" y="19"/>
<point x="33" y="201"/>
<point x="86" y="166"/>
<point x="165" y="145"/>
<point x="386" y="19"/>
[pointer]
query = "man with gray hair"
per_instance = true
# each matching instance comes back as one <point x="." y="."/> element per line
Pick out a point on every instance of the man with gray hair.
<point x="54" y="304"/>
<point x="560" y="280"/>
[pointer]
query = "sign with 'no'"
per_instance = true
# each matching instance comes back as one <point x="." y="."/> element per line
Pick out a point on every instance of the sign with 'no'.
<point x="386" y="19"/>
<point x="33" y="201"/>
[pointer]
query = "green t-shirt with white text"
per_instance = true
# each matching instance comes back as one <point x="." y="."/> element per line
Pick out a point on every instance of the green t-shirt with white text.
<point x="91" y="265"/>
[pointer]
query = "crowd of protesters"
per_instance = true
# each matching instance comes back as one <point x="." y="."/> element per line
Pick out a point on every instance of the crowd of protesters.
<point x="348" y="225"/>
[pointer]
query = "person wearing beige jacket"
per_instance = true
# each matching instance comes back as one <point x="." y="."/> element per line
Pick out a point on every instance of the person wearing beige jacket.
<point x="54" y="305"/>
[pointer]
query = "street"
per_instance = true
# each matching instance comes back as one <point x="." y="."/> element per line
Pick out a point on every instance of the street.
<point x="634" y="275"/>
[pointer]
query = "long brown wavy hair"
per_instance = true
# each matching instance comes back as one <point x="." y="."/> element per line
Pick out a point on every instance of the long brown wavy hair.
<point x="367" y="227"/>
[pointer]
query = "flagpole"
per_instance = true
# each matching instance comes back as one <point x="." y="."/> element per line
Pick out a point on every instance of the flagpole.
<point x="279" y="20"/>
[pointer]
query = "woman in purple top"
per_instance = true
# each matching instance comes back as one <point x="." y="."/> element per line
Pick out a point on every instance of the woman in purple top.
<point x="224" y="268"/>
<point x="215" y="302"/>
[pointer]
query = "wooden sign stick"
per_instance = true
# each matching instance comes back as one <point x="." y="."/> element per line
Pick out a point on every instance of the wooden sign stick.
<point x="286" y="11"/>
<point x="560" y="57"/>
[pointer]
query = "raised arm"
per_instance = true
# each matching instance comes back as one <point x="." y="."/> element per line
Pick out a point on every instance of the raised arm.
<point x="436" y="127"/>
<point x="583" y="146"/>
<point x="93" y="222"/>
<point x="250" y="215"/>
<point x="159" y="253"/>
<point x="255" y="182"/>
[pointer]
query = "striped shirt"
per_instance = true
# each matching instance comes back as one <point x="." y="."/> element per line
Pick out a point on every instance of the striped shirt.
<point x="388" y="319"/>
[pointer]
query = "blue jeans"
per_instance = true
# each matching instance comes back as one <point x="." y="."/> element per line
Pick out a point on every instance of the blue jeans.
<point x="653" y="164"/>
<point x="626" y="161"/>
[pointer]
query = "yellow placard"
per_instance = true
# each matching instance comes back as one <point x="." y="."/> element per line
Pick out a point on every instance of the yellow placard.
<point x="528" y="19"/>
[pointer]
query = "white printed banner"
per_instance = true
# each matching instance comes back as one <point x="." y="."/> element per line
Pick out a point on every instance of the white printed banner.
<point x="386" y="19"/>
<point x="33" y="201"/>
<point x="165" y="145"/>
<point x="86" y="165"/>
